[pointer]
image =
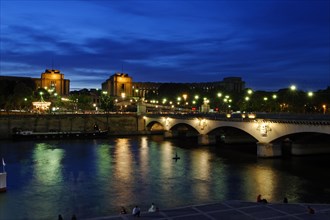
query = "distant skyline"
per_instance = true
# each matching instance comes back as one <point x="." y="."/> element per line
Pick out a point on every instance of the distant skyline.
<point x="271" y="44"/>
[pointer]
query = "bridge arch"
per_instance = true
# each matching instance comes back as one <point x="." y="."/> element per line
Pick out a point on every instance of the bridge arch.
<point x="184" y="129"/>
<point x="155" y="126"/>
<point x="314" y="137"/>
<point x="232" y="134"/>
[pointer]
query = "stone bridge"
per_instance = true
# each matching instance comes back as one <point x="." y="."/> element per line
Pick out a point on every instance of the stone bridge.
<point x="274" y="135"/>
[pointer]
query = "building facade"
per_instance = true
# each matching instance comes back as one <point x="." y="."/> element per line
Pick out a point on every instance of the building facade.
<point x="118" y="85"/>
<point x="54" y="82"/>
<point x="51" y="80"/>
<point x="121" y="83"/>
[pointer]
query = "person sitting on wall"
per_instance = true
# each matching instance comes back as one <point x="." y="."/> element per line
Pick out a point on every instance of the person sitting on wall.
<point x="259" y="199"/>
<point x="285" y="200"/>
<point x="123" y="210"/>
<point x="152" y="208"/>
<point x="136" y="211"/>
<point x="310" y="210"/>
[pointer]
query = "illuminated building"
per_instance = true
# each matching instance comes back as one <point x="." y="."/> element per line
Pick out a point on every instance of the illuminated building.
<point x="54" y="82"/>
<point x="51" y="80"/>
<point x="119" y="85"/>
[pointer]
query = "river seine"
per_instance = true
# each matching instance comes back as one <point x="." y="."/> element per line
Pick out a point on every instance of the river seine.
<point x="92" y="178"/>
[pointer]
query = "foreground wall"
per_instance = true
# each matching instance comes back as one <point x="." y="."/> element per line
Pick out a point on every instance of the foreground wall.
<point x="116" y="123"/>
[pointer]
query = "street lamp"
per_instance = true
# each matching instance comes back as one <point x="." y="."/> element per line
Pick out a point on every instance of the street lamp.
<point x="293" y="89"/>
<point x="94" y="105"/>
<point x="123" y="95"/>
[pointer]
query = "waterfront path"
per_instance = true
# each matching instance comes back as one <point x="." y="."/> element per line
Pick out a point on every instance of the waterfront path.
<point x="239" y="210"/>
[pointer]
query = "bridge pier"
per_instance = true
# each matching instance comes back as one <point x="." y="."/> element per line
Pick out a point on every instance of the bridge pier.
<point x="204" y="139"/>
<point x="269" y="149"/>
<point x="168" y="134"/>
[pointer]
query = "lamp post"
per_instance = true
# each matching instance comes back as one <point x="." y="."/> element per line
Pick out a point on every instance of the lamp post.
<point x="265" y="100"/>
<point x="247" y="99"/>
<point x="309" y="107"/>
<point x="324" y="107"/>
<point x="293" y="89"/>
<point x="185" y="96"/>
<point x="274" y="96"/>
<point x="219" y="96"/>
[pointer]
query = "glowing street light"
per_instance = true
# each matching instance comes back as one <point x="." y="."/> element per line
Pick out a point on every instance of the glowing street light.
<point x="293" y="89"/>
<point x="123" y="95"/>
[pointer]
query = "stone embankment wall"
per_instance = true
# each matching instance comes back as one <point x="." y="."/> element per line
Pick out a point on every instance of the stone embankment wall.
<point x="115" y="124"/>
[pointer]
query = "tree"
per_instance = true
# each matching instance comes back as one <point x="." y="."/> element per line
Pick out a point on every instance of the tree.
<point x="107" y="103"/>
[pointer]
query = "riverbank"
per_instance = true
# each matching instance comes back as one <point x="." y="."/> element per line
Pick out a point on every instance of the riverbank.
<point x="235" y="210"/>
<point x="115" y="124"/>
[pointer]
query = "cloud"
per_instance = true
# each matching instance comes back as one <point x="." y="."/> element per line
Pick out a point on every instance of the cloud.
<point x="271" y="42"/>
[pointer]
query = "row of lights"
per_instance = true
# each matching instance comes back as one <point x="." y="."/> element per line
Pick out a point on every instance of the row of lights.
<point x="263" y="127"/>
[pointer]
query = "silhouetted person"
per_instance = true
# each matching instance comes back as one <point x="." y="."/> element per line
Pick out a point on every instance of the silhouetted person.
<point x="60" y="217"/>
<point x="310" y="210"/>
<point x="136" y="211"/>
<point x="285" y="200"/>
<point x="152" y="208"/>
<point x="74" y="217"/>
<point x="123" y="210"/>
<point x="259" y="199"/>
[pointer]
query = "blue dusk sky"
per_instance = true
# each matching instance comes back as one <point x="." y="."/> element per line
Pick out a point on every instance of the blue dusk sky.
<point x="271" y="44"/>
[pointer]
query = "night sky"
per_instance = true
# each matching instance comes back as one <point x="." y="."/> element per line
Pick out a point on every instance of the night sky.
<point x="271" y="44"/>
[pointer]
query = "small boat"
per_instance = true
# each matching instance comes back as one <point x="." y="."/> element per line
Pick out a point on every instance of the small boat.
<point x="27" y="134"/>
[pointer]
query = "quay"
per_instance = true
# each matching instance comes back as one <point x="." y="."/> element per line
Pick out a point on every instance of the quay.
<point x="238" y="210"/>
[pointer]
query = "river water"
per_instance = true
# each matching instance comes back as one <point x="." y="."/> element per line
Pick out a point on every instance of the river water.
<point x="91" y="178"/>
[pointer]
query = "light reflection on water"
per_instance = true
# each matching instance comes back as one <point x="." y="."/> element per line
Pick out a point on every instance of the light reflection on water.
<point x="95" y="177"/>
